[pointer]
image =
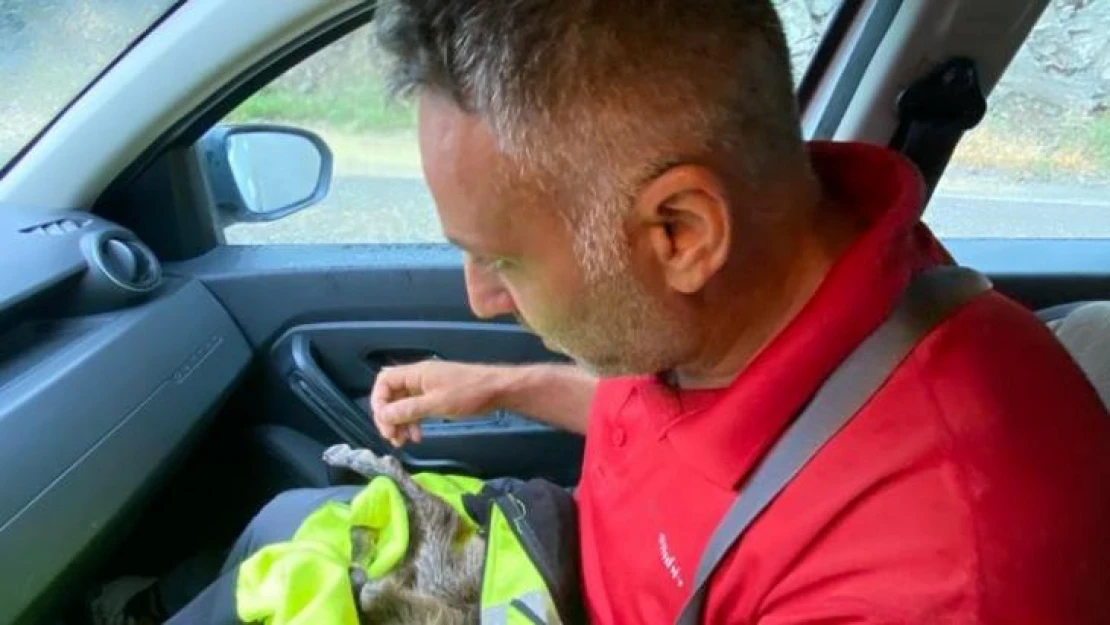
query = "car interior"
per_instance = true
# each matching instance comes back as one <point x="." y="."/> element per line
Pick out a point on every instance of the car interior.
<point x="158" y="385"/>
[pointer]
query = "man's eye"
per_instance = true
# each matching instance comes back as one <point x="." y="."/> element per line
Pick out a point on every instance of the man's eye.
<point x="497" y="264"/>
<point x="491" y="263"/>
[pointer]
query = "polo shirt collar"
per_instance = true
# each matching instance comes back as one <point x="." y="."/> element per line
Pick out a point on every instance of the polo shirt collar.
<point x="724" y="432"/>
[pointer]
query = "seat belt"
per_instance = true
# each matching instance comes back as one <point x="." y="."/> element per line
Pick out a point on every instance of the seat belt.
<point x="930" y="297"/>
<point x="933" y="114"/>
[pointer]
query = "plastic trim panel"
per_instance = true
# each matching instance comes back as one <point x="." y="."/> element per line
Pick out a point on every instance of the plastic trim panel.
<point x="87" y="426"/>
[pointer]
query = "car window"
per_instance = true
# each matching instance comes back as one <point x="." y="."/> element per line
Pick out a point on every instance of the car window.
<point x="52" y="49"/>
<point x="377" y="193"/>
<point x="1038" y="166"/>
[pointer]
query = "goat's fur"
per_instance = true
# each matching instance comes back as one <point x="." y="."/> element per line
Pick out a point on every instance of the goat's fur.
<point x="439" y="581"/>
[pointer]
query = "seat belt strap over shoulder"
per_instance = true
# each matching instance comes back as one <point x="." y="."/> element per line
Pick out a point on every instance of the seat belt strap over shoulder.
<point x="931" y="297"/>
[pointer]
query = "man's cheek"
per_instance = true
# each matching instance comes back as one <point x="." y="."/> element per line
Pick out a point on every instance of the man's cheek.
<point x="541" y="326"/>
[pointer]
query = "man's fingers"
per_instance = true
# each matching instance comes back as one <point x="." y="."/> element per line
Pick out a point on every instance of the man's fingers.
<point x="399" y="401"/>
<point x="397" y="436"/>
<point x="409" y="410"/>
<point x="400" y="438"/>
<point x="392" y="383"/>
<point x="386" y="430"/>
<point x="383" y="390"/>
<point x="397" y="404"/>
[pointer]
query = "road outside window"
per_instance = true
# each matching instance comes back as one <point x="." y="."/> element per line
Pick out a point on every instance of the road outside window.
<point x="1039" y="165"/>
<point x="378" y="194"/>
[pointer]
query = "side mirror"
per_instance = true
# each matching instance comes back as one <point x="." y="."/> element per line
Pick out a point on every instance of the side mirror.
<point x="263" y="172"/>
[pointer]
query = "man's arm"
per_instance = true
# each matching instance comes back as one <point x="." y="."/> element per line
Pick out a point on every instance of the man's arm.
<point x="559" y="395"/>
<point x="402" y="397"/>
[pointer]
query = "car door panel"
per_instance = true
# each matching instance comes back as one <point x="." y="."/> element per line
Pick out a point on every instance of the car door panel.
<point x="327" y="318"/>
<point x="330" y="368"/>
<point x="268" y="289"/>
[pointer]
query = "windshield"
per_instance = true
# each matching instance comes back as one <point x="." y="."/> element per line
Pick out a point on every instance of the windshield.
<point x="52" y="49"/>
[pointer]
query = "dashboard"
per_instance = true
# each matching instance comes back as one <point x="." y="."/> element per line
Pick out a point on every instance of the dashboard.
<point x="109" y="370"/>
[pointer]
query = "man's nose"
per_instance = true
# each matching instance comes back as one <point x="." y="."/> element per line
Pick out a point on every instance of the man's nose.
<point x="488" y="296"/>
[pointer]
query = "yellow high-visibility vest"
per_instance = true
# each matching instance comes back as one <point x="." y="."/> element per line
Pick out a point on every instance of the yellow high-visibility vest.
<point x="306" y="580"/>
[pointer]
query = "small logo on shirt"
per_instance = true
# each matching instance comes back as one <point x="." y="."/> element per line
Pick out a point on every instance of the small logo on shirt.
<point x="669" y="561"/>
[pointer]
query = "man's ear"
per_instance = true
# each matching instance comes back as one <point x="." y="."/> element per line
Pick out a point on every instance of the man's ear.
<point x="686" y="216"/>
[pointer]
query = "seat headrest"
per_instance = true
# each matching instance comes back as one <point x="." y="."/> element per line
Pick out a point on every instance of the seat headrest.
<point x="1085" y="332"/>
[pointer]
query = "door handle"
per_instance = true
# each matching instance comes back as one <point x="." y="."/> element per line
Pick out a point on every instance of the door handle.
<point x="314" y="387"/>
<point x="378" y="359"/>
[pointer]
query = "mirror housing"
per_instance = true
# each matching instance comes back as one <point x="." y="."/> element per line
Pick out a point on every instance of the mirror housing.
<point x="264" y="172"/>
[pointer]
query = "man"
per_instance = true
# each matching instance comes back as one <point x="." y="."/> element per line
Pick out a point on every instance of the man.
<point x="629" y="180"/>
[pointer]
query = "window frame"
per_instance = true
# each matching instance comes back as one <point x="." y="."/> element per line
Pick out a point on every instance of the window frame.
<point x="16" y="157"/>
<point x="170" y="160"/>
<point x="836" y="32"/>
<point x="162" y="194"/>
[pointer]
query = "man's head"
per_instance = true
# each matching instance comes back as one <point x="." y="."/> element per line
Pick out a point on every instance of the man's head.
<point x="612" y="168"/>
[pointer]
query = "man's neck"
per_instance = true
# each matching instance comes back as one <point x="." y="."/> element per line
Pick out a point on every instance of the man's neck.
<point x="741" y="325"/>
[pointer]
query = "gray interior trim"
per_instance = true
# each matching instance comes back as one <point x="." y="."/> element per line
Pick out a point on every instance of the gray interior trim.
<point x="269" y="289"/>
<point x="91" y="416"/>
<point x="168" y="71"/>
<point x="878" y="22"/>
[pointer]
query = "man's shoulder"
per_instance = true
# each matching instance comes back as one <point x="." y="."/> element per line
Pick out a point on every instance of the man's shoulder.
<point x="985" y="458"/>
<point x="995" y="357"/>
<point x="991" y="393"/>
<point x="990" y="321"/>
<point x="971" y="488"/>
<point x="988" y="457"/>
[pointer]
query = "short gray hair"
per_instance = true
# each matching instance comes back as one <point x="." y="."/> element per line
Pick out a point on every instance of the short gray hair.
<point x="603" y="93"/>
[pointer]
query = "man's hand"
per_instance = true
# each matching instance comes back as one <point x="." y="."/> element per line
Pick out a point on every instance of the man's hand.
<point x="404" y="396"/>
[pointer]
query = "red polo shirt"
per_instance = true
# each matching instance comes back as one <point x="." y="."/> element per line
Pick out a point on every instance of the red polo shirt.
<point x="974" y="487"/>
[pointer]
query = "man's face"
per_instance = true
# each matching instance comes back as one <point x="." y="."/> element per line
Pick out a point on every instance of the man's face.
<point x="520" y="257"/>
